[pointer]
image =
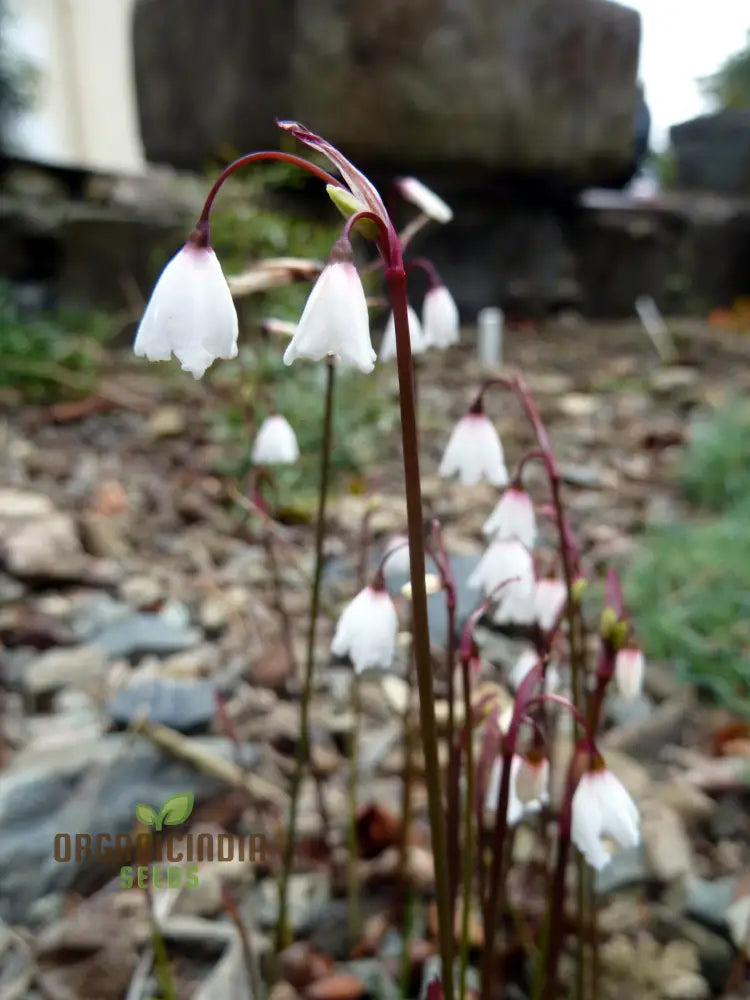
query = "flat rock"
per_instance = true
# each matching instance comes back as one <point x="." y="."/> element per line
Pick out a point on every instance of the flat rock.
<point x="58" y="668"/>
<point x="185" y="705"/>
<point x="92" y="788"/>
<point x="142" y="633"/>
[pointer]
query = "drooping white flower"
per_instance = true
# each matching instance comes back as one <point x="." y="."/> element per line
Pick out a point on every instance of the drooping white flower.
<point x="513" y="517"/>
<point x="417" y="338"/>
<point x="425" y="199"/>
<point x="190" y="313"/>
<point x="366" y="630"/>
<point x="549" y="600"/>
<point x="474" y="451"/>
<point x="525" y="662"/>
<point x="602" y="807"/>
<point x="629" y="669"/>
<point x="275" y="443"/>
<point x="440" y="320"/>
<point x="510" y="563"/>
<point x="335" y="321"/>
<point x="532" y="778"/>
<point x="517" y="808"/>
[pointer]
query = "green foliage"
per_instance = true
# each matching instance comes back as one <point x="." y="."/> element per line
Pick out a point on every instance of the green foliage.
<point x="690" y="598"/>
<point x="729" y="87"/>
<point x="45" y="355"/>
<point x="689" y="593"/>
<point x="716" y="470"/>
<point x="363" y="421"/>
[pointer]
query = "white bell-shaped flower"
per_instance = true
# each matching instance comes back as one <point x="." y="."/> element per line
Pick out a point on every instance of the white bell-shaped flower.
<point x="602" y="807"/>
<point x="508" y="562"/>
<point x="525" y="662"/>
<point x="335" y="321"/>
<point x="440" y="320"/>
<point x="417" y="338"/>
<point x="275" y="443"/>
<point x="549" y="600"/>
<point x="425" y="199"/>
<point x="366" y="630"/>
<point x="532" y="778"/>
<point x="190" y="313"/>
<point x="517" y="808"/>
<point x="474" y="451"/>
<point x="630" y="667"/>
<point x="513" y="517"/>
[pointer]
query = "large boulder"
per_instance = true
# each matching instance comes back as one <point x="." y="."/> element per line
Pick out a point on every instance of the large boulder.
<point x="518" y="87"/>
<point x="712" y="153"/>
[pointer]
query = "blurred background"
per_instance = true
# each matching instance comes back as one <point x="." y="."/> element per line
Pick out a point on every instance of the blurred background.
<point x="594" y="151"/>
<point x="597" y="159"/>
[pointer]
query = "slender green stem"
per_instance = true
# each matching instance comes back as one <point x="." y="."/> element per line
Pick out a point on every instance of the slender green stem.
<point x="282" y="929"/>
<point x="397" y="285"/>
<point x="353" y="882"/>
<point x="467" y="857"/>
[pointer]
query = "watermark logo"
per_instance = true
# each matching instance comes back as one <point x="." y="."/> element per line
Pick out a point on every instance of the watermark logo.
<point x="159" y="858"/>
<point x="175" y="810"/>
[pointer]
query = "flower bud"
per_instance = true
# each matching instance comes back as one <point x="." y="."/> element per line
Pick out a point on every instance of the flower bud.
<point x="630" y="667"/>
<point x="275" y="442"/>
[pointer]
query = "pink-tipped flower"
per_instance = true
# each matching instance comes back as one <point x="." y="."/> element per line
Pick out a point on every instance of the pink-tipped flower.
<point x="510" y="563"/>
<point x="474" y="451"/>
<point x="275" y="443"/>
<point x="513" y="517"/>
<point x="190" y="313"/>
<point x="440" y="320"/>
<point x="417" y="337"/>
<point x="335" y="322"/>
<point x="425" y="199"/>
<point x="629" y="669"/>
<point x="602" y="807"/>
<point x="517" y="808"/>
<point x="549" y="600"/>
<point x="367" y="629"/>
<point x="532" y="777"/>
<point x="525" y="662"/>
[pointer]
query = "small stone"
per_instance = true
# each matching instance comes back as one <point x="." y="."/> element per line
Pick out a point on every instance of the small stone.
<point x="142" y="592"/>
<point x="686" y="986"/>
<point x="166" y="421"/>
<point x="339" y="986"/>
<point x="665" y="842"/>
<point x="57" y="668"/>
<point x="46" y="547"/>
<point x="23" y="505"/>
<point x="104" y="536"/>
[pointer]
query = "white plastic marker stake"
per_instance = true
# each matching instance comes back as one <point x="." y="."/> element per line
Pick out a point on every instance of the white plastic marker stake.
<point x="655" y="327"/>
<point x="490" y="339"/>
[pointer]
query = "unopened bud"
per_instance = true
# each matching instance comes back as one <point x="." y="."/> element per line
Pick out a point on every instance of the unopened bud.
<point x="532" y="777"/>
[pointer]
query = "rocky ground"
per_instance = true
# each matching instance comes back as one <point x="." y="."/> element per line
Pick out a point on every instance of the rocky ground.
<point x="143" y="657"/>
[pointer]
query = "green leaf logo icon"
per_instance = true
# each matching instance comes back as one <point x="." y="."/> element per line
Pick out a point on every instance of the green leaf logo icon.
<point x="175" y="810"/>
<point x="145" y="814"/>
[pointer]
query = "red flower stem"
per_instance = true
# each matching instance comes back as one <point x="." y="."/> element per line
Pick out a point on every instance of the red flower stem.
<point x="467" y="853"/>
<point x="267" y="154"/>
<point x="495" y="893"/>
<point x="454" y="748"/>
<point x="396" y="278"/>
<point x="423" y="264"/>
